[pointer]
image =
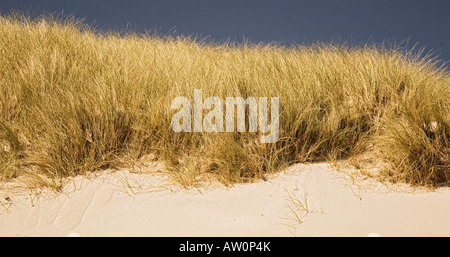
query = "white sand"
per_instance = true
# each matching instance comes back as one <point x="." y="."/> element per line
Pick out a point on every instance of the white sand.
<point x="146" y="204"/>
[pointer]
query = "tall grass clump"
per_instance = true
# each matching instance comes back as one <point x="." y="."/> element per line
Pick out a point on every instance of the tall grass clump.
<point x="74" y="100"/>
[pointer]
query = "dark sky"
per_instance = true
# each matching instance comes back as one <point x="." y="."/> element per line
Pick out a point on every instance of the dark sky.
<point x="426" y="22"/>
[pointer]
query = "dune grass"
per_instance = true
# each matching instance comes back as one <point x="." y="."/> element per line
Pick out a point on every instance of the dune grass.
<point x="74" y="100"/>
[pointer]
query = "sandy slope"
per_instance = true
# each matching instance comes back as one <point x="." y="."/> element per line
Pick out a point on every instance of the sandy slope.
<point x="146" y="204"/>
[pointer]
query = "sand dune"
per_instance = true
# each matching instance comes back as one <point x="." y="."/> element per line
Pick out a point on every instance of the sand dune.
<point x="326" y="203"/>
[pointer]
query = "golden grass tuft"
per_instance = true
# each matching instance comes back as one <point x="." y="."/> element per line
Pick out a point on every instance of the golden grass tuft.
<point x="74" y="100"/>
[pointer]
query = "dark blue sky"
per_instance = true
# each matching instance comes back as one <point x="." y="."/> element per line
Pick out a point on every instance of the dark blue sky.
<point x="426" y="22"/>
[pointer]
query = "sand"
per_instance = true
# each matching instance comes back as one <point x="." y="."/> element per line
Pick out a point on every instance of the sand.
<point x="303" y="200"/>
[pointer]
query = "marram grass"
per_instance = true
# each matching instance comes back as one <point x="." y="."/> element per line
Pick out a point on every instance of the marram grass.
<point x="73" y="100"/>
